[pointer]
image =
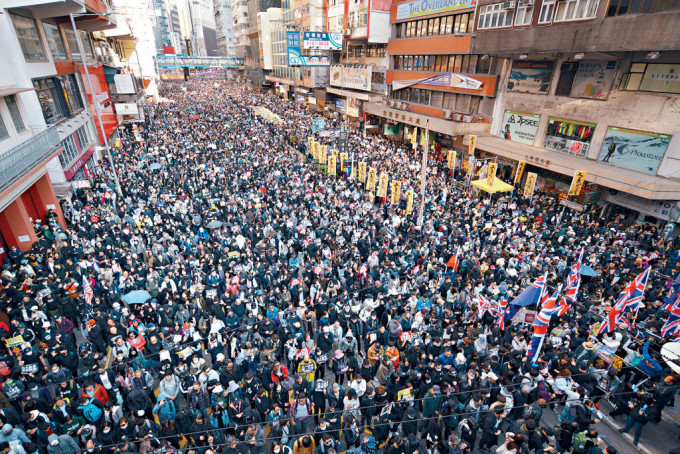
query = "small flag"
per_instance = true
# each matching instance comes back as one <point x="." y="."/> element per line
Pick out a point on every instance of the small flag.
<point x="87" y="291"/>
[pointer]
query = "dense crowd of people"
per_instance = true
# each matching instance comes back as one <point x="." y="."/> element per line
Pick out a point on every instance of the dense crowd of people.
<point x="244" y="302"/>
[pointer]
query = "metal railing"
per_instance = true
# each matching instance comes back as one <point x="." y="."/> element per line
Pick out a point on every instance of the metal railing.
<point x="30" y="153"/>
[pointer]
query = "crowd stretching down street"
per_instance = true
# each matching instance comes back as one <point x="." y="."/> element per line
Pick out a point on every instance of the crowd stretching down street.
<point x="236" y="299"/>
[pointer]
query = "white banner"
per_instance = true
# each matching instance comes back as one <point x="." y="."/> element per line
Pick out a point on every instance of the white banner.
<point x="124" y="84"/>
<point x="126" y="108"/>
<point x="356" y="77"/>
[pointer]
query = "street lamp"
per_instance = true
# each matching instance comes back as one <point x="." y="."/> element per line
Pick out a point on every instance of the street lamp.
<point x="92" y="93"/>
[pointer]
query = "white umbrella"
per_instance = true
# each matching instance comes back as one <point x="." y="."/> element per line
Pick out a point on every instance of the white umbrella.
<point x="671" y="354"/>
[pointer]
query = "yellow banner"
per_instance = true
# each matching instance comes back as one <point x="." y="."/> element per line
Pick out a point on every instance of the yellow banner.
<point x="520" y="170"/>
<point x="491" y="174"/>
<point x="331" y="165"/>
<point x="310" y="140"/>
<point x="409" y="202"/>
<point x="322" y="154"/>
<point x="343" y="160"/>
<point x="382" y="185"/>
<point x="315" y="150"/>
<point x="414" y="136"/>
<point x="529" y="185"/>
<point x="362" y="171"/>
<point x="578" y="182"/>
<point x="335" y="152"/>
<point x="395" y="192"/>
<point x="451" y="159"/>
<point x="472" y="144"/>
<point x="370" y="181"/>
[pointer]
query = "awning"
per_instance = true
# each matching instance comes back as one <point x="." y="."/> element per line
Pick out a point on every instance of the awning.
<point x="498" y="186"/>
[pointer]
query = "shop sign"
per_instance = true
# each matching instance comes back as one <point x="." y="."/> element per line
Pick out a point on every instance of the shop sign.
<point x="641" y="151"/>
<point x="662" y="209"/>
<point x="531" y="76"/>
<point x="340" y="105"/>
<point x="82" y="159"/>
<point x="352" y="107"/>
<point x="593" y="79"/>
<point x="567" y="136"/>
<point x="520" y="127"/>
<point x="295" y="57"/>
<point x="426" y="7"/>
<point x="126" y="108"/>
<point x="661" y="78"/>
<point x="322" y="41"/>
<point x="356" y="77"/>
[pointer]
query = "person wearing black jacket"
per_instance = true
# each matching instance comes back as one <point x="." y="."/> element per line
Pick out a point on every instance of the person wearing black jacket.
<point x="641" y="413"/>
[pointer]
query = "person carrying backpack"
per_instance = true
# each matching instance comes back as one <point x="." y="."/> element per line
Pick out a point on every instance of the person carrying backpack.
<point x="91" y="409"/>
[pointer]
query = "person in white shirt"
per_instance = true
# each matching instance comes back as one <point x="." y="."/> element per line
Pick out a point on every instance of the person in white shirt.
<point x="358" y="385"/>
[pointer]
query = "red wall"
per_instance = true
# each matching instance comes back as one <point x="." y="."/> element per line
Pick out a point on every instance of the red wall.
<point x="99" y="86"/>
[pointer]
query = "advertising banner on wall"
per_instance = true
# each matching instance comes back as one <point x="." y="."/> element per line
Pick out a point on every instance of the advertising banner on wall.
<point x="569" y="136"/>
<point x="126" y="108"/>
<point x="352" y="107"/>
<point x="593" y="79"/>
<point x="531" y="76"/>
<point x="295" y="57"/>
<point x="322" y="41"/>
<point x="641" y="151"/>
<point x="662" y="78"/>
<point x="356" y="77"/>
<point x="425" y="7"/>
<point x="520" y="127"/>
<point x="124" y="84"/>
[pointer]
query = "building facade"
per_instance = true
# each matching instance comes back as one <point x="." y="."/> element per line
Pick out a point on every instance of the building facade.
<point x="224" y="28"/>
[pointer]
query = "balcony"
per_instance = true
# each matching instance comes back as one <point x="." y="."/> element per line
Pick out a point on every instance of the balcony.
<point x="17" y="162"/>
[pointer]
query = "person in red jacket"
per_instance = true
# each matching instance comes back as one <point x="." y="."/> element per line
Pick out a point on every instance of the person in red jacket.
<point x="97" y="391"/>
<point x="279" y="372"/>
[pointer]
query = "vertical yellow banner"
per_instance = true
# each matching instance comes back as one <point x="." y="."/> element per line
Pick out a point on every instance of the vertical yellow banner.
<point x="322" y="154"/>
<point x="362" y="171"/>
<point x="382" y="185"/>
<point x="491" y="174"/>
<point x="472" y="144"/>
<point x="395" y="192"/>
<point x="370" y="181"/>
<point x="315" y="151"/>
<point x="529" y="185"/>
<point x="331" y="165"/>
<point x="310" y="140"/>
<point x="414" y="136"/>
<point x="451" y="159"/>
<point x="577" y="182"/>
<point x="520" y="171"/>
<point x="343" y="161"/>
<point x="409" y="201"/>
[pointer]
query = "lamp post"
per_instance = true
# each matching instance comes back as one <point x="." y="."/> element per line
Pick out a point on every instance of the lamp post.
<point x="94" y="99"/>
<point x="423" y="174"/>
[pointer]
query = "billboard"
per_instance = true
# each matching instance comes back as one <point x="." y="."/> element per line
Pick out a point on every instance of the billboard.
<point x="352" y="107"/>
<point x="641" y="151"/>
<point x="531" y="76"/>
<point x="126" y="108"/>
<point x="356" y="77"/>
<point x="593" y="79"/>
<point x="322" y="41"/>
<point x="662" y="78"/>
<point x="520" y="127"/>
<point x="295" y="57"/>
<point x="425" y="7"/>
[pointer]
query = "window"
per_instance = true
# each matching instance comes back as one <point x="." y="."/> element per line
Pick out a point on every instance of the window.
<point x="566" y="80"/>
<point x="523" y="15"/>
<point x="620" y="7"/>
<point x="493" y="16"/>
<point x="71" y="92"/>
<point x="70" y="151"/>
<point x="437" y="98"/>
<point x="576" y="9"/>
<point x="449" y="24"/>
<point x="72" y="43"/>
<point x="29" y="38"/>
<point x="363" y="17"/>
<point x="633" y="78"/>
<point x="52" y="106"/>
<point x="547" y="10"/>
<point x="3" y="129"/>
<point x="55" y="42"/>
<point x="14" y="112"/>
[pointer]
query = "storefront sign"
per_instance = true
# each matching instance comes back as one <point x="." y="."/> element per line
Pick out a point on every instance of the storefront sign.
<point x="520" y="127"/>
<point x="75" y="167"/>
<point x="661" y="78"/>
<point x="641" y="151"/>
<point x="593" y="79"/>
<point x="352" y="107"/>
<point x="491" y="174"/>
<point x="568" y="136"/>
<point x="531" y="76"/>
<point x="519" y="171"/>
<point x="295" y="57"/>
<point x="425" y="7"/>
<point x="340" y="105"/>
<point x="662" y="209"/>
<point x="356" y="77"/>
<point x="322" y="41"/>
<point x="530" y="184"/>
<point x="124" y="84"/>
<point x="81" y="184"/>
<point x="391" y="129"/>
<point x="577" y="182"/>
<point x="126" y="108"/>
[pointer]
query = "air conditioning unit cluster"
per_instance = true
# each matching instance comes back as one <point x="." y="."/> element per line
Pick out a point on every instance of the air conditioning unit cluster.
<point x="394" y="104"/>
<point x="508" y="5"/>
<point x="450" y="115"/>
<point x="526" y="3"/>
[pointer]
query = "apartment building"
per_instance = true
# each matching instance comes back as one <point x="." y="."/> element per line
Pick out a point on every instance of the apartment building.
<point x="224" y="28"/>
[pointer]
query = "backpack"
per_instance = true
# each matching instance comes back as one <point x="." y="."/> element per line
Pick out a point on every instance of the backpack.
<point x="578" y="441"/>
<point x="91" y="412"/>
<point x="543" y="391"/>
<point x="468" y="428"/>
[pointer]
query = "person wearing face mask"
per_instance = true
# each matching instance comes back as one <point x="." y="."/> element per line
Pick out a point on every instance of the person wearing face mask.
<point x="59" y="444"/>
<point x="279" y="448"/>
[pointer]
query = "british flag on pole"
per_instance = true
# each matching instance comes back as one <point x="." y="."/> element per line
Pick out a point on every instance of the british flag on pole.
<point x="672" y="325"/>
<point x="571" y="286"/>
<point x="541" y="324"/>
<point x="629" y="299"/>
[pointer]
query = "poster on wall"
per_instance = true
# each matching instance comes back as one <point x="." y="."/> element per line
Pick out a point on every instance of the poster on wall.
<point x="295" y="57"/>
<point x="356" y="77"/>
<point x="569" y="136"/>
<point x="661" y="78"/>
<point x="419" y="8"/>
<point x="322" y="41"/>
<point x="531" y="76"/>
<point x="641" y="151"/>
<point x="520" y="127"/>
<point x="353" y="107"/>
<point x="593" y="79"/>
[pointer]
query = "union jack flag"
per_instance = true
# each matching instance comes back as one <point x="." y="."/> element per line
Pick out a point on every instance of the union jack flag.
<point x="87" y="291"/>
<point x="571" y="287"/>
<point x="499" y="312"/>
<point x="672" y="325"/>
<point x="485" y="306"/>
<point x="629" y="300"/>
<point x="541" y="323"/>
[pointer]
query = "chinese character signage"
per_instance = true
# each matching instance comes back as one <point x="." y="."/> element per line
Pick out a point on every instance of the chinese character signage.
<point x="529" y="185"/>
<point x="322" y="41"/>
<point x="395" y="193"/>
<point x="593" y="79"/>
<point x="409" y="201"/>
<point x="370" y="181"/>
<point x="382" y="185"/>
<point x="641" y="151"/>
<point x="362" y="171"/>
<point x="520" y="171"/>
<point x="451" y="159"/>
<point x="577" y="182"/>
<point x="520" y="127"/>
<point x="531" y="76"/>
<point x="426" y="7"/>
<point x="472" y="143"/>
<point x="491" y="174"/>
<point x="331" y="165"/>
<point x="295" y="57"/>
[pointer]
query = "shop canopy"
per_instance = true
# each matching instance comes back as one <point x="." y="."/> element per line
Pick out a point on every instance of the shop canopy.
<point x="498" y="186"/>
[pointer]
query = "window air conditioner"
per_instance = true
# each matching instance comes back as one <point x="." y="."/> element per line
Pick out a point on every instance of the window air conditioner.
<point x="508" y="5"/>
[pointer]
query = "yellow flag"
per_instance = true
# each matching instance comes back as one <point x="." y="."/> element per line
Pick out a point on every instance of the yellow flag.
<point x="491" y="174"/>
<point x="414" y="136"/>
<point x="409" y="201"/>
<point x="322" y="154"/>
<point x="472" y="144"/>
<point x="370" y="181"/>
<point x="529" y="185"/>
<point x="577" y="182"/>
<point x="331" y="165"/>
<point x="520" y="171"/>
<point x="362" y="171"/>
<point x="395" y="192"/>
<point x="382" y="185"/>
<point x="315" y="151"/>
<point x="343" y="160"/>
<point x="336" y="152"/>
<point x="451" y="159"/>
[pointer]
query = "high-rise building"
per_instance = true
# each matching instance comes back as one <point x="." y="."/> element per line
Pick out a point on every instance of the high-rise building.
<point x="224" y="28"/>
<point x="239" y="13"/>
